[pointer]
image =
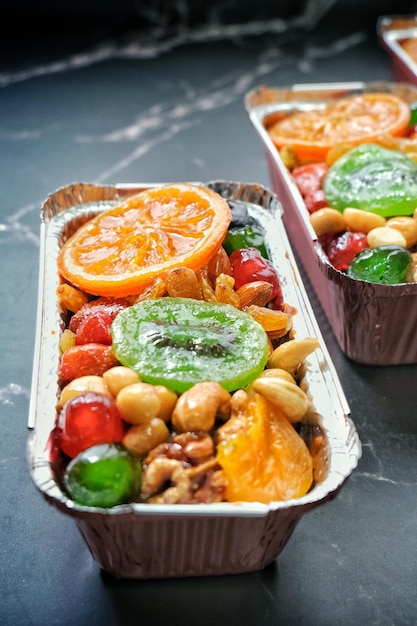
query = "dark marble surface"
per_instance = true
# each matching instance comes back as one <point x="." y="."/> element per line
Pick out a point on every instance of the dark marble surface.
<point x="118" y="105"/>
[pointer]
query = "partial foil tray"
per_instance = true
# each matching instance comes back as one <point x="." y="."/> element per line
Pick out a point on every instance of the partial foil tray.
<point x="373" y="324"/>
<point x="160" y="541"/>
<point x="398" y="36"/>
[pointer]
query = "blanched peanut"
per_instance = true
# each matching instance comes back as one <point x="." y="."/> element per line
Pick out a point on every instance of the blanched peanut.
<point x="82" y="385"/>
<point x="168" y="401"/>
<point x="138" y="403"/>
<point x="141" y="438"/>
<point x="198" y="407"/>
<point x="385" y="235"/>
<point x="327" y="220"/>
<point x="118" y="377"/>
<point x="407" y="226"/>
<point x="359" y="221"/>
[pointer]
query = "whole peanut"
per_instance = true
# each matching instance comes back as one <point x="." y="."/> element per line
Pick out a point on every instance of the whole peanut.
<point x="327" y="220"/>
<point x="362" y="221"/>
<point x="138" y="403"/>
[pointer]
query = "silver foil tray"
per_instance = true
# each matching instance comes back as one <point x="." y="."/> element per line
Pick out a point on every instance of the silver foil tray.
<point x="128" y="540"/>
<point x="373" y="324"/>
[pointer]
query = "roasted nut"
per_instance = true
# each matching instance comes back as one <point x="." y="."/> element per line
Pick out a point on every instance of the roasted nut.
<point x="70" y="298"/>
<point x="289" y="398"/>
<point x="327" y="220"/>
<point x="81" y="385"/>
<point x="290" y="354"/>
<point x="198" y="446"/>
<point x="275" y="372"/>
<point x="119" y="377"/>
<point x="138" y="403"/>
<point x="198" y="407"/>
<point x="407" y="226"/>
<point x="362" y="221"/>
<point x="257" y="292"/>
<point x="159" y="471"/>
<point x="182" y="282"/>
<point x="385" y="235"/>
<point x="141" y="438"/>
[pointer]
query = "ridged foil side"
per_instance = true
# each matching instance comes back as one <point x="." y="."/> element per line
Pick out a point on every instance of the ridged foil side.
<point x="154" y="541"/>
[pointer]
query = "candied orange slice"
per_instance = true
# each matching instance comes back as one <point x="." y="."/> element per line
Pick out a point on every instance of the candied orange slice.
<point x="262" y="455"/>
<point x="352" y="120"/>
<point x="123" y="250"/>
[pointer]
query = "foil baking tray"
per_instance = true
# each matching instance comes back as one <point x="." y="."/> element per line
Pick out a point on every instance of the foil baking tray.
<point x="373" y="324"/>
<point x="160" y="541"/>
<point x="396" y="33"/>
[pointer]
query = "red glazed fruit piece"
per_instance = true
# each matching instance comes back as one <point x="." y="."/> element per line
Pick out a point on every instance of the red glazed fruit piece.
<point x="91" y="323"/>
<point x="310" y="177"/>
<point x="248" y="265"/>
<point x="90" y="359"/>
<point x="87" y="420"/>
<point x="94" y="328"/>
<point x="342" y="249"/>
<point x="315" y="201"/>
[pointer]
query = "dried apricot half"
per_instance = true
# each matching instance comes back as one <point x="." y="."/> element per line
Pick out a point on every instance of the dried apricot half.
<point x="123" y="250"/>
<point x="262" y="455"/>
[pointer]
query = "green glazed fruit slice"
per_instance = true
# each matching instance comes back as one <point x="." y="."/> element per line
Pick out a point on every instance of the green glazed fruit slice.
<point x="103" y="476"/>
<point x="387" y="265"/>
<point x="373" y="179"/>
<point x="178" y="342"/>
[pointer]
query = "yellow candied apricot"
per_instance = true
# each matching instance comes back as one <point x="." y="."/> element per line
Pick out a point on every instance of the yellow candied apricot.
<point x="263" y="458"/>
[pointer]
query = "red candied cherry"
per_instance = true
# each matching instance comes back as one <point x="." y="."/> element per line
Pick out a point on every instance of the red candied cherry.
<point x="309" y="178"/>
<point x="315" y="200"/>
<point x="90" y="359"/>
<point x="343" y="247"/>
<point x="92" y="322"/>
<point x="87" y="420"/>
<point x="248" y="265"/>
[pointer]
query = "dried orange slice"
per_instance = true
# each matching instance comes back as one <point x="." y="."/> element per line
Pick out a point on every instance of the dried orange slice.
<point x="352" y="120"/>
<point x="122" y="251"/>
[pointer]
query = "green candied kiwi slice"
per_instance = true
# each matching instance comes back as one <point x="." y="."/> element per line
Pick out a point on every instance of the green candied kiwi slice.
<point x="178" y="342"/>
<point x="386" y="265"/>
<point x="374" y="179"/>
<point x="103" y="476"/>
